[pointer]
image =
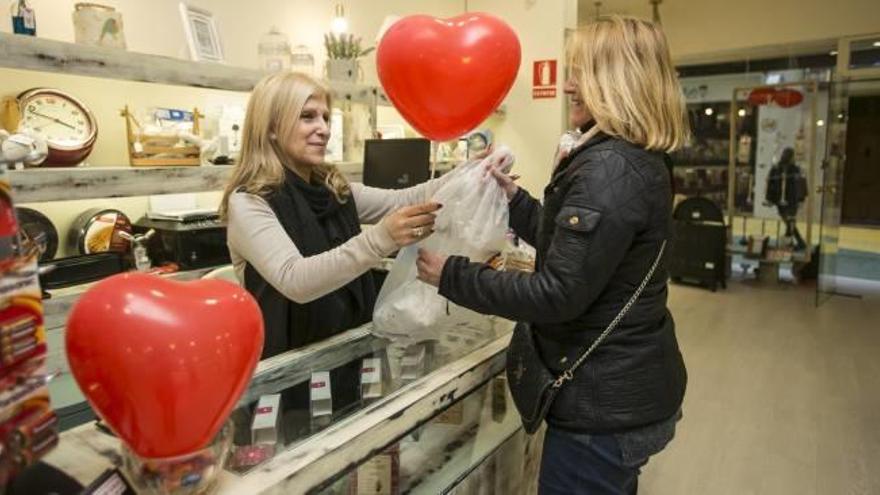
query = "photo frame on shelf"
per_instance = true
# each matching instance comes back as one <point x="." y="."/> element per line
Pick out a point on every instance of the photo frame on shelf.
<point x="201" y="34"/>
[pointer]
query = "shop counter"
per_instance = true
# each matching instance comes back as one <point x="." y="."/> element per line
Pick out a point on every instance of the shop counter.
<point x="424" y="418"/>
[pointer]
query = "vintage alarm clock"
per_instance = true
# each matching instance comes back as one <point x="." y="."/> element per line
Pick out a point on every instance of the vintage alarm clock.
<point x="66" y="123"/>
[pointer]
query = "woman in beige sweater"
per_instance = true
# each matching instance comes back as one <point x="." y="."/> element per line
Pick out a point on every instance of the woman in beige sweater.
<point x="294" y="222"/>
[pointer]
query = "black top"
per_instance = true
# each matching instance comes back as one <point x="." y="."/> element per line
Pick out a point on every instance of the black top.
<point x="786" y="185"/>
<point x="606" y="212"/>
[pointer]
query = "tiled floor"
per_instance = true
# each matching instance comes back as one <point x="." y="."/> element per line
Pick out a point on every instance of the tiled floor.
<point x="860" y="238"/>
<point x="783" y="398"/>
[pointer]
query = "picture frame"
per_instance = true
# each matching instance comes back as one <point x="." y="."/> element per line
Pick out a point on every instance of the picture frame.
<point x="201" y="34"/>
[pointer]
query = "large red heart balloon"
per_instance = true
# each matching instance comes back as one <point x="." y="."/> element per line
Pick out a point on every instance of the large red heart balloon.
<point x="164" y="362"/>
<point x="787" y="97"/>
<point x="445" y="76"/>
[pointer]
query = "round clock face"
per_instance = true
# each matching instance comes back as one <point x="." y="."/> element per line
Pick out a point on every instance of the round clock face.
<point x="65" y="122"/>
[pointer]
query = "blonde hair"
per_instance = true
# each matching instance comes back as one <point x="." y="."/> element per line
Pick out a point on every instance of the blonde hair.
<point x="624" y="71"/>
<point x="273" y="110"/>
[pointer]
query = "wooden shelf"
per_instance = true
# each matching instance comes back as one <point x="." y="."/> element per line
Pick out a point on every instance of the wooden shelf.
<point x="29" y="52"/>
<point x="32" y="53"/>
<point x="63" y="184"/>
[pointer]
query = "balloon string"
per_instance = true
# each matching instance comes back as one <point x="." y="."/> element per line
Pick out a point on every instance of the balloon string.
<point x="435" y="145"/>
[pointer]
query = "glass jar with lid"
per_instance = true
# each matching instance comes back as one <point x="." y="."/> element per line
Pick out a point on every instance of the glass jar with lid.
<point x="274" y="51"/>
<point x="302" y="60"/>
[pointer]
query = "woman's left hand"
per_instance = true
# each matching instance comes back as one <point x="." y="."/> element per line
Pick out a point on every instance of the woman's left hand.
<point x="430" y="265"/>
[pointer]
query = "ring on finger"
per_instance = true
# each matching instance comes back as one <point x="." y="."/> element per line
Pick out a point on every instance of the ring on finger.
<point x="418" y="231"/>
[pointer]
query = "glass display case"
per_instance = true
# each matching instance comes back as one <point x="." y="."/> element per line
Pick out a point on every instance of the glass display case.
<point x="446" y="451"/>
<point x="742" y="127"/>
<point x="700" y="168"/>
<point x="775" y="133"/>
<point x="416" y="418"/>
<point x="322" y="385"/>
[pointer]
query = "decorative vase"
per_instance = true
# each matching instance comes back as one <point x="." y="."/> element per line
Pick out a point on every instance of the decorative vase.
<point x="302" y="60"/>
<point x="343" y="69"/>
<point x="98" y="25"/>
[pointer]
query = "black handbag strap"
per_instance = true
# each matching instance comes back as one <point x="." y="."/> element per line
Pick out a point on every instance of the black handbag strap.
<point x="569" y="373"/>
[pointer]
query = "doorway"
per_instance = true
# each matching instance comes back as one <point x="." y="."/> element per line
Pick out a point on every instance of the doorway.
<point x="861" y="179"/>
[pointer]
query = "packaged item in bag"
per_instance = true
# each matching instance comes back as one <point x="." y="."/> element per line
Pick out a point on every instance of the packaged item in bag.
<point x="473" y="222"/>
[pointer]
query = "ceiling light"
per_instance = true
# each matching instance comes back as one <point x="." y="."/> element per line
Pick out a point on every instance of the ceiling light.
<point x="709" y="111"/>
<point x="877" y="44"/>
<point x="339" y="24"/>
<point x="833" y="53"/>
<point x="741" y="112"/>
<point x="820" y="123"/>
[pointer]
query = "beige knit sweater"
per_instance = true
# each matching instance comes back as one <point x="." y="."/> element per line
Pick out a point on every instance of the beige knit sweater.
<point x="256" y="236"/>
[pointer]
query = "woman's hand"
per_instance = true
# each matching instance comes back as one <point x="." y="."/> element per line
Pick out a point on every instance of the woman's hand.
<point x="498" y="164"/>
<point x="430" y="265"/>
<point x="411" y="224"/>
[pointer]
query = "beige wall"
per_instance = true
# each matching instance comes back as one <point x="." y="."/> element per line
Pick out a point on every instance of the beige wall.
<point x="732" y="29"/>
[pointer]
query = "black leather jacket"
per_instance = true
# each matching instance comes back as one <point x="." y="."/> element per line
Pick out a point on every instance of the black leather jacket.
<point x="606" y="211"/>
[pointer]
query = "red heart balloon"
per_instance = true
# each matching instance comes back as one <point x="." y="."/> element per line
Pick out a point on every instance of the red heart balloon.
<point x="787" y="98"/>
<point x="446" y="76"/>
<point x="164" y="362"/>
<point x="761" y="96"/>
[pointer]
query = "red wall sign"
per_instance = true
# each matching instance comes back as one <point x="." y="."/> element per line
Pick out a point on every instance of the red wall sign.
<point x="544" y="79"/>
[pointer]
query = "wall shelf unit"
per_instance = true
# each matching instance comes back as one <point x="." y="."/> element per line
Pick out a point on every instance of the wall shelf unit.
<point x="31" y="53"/>
<point x="65" y="184"/>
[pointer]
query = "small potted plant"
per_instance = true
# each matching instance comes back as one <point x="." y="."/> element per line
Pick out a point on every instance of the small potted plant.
<point x="343" y="52"/>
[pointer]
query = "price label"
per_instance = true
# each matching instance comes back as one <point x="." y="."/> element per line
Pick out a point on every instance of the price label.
<point x="111" y="482"/>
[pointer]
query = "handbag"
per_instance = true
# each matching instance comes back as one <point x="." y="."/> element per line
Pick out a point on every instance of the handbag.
<point x="532" y="385"/>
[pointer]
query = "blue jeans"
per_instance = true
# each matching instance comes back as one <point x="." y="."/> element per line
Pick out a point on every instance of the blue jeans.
<point x="577" y="463"/>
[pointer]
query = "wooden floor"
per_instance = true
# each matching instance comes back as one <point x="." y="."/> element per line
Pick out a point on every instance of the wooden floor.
<point x="783" y="398"/>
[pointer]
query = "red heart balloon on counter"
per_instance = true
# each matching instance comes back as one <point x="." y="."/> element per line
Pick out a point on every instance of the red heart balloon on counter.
<point x="164" y="362"/>
<point x="446" y="76"/>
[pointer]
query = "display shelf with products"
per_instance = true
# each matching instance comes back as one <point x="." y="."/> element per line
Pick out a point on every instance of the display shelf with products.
<point x="51" y="56"/>
<point x="32" y="53"/>
<point x="710" y="142"/>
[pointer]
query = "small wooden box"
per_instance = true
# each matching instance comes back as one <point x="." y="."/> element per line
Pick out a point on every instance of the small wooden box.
<point x="146" y="150"/>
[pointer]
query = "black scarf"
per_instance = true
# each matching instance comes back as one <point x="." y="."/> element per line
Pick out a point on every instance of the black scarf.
<point x="316" y="222"/>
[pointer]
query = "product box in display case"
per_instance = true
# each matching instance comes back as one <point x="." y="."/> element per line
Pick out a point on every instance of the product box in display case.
<point x="320" y="393"/>
<point x="265" y="426"/>
<point x="380" y="475"/>
<point x="372" y="378"/>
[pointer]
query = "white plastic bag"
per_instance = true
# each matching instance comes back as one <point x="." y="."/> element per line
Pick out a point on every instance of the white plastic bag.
<point x="473" y="223"/>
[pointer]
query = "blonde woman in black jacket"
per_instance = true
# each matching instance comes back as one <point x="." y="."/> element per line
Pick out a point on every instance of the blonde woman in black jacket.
<point x="605" y="215"/>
